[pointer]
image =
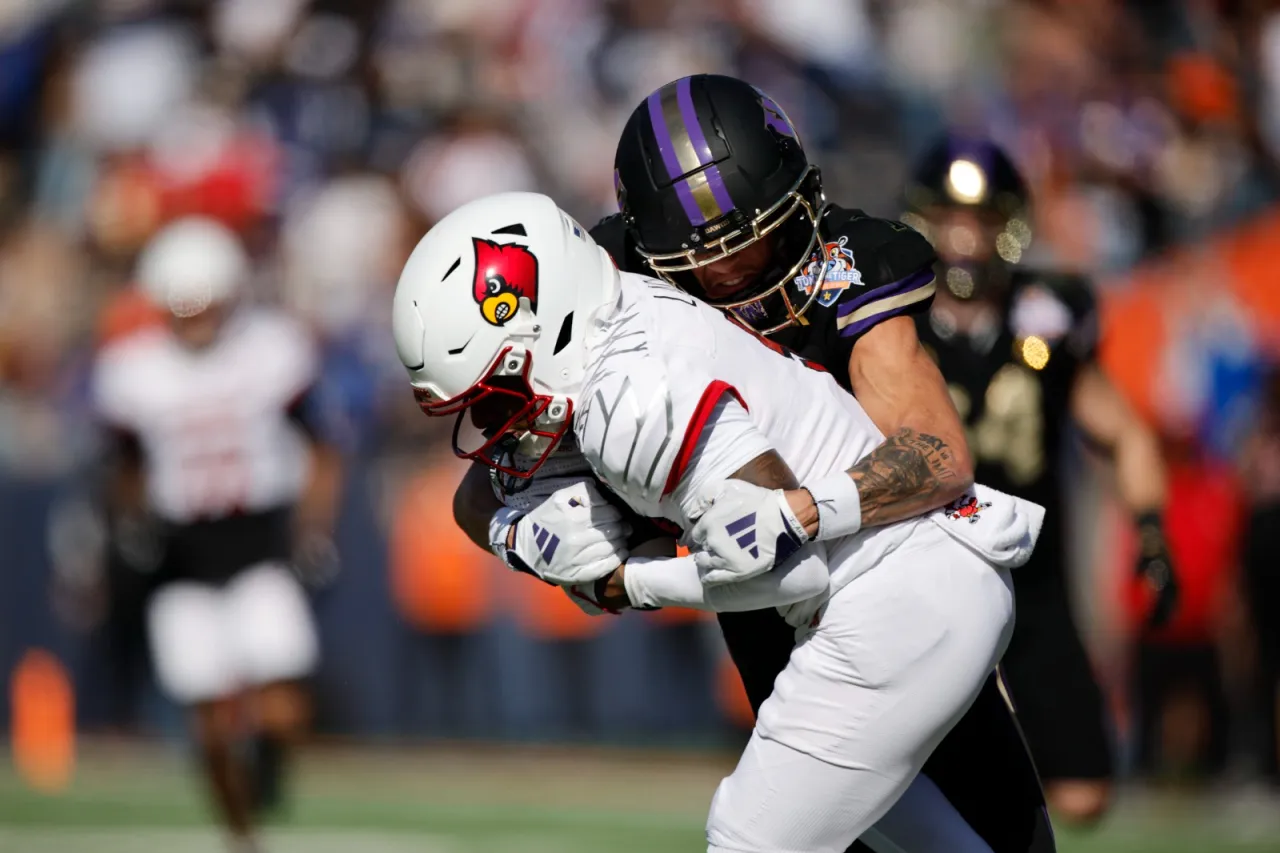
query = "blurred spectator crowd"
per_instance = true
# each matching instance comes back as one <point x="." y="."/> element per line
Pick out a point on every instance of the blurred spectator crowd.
<point x="331" y="133"/>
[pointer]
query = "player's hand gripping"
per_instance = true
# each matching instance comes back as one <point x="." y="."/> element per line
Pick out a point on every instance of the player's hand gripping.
<point x="745" y="531"/>
<point x="573" y="537"/>
<point x="1155" y="567"/>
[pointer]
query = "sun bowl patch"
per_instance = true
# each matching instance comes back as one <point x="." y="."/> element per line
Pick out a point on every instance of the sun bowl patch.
<point x="841" y="272"/>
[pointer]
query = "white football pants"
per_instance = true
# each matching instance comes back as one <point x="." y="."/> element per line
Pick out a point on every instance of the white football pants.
<point x="899" y="656"/>
<point x="208" y="642"/>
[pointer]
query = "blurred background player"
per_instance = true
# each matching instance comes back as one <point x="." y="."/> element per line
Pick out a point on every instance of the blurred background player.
<point x="209" y="434"/>
<point x="1018" y="349"/>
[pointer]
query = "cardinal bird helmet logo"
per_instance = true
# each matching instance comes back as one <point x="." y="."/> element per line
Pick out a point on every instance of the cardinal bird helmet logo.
<point x="504" y="275"/>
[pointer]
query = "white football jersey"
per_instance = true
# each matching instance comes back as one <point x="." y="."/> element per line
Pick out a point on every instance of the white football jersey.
<point x="213" y="423"/>
<point x="660" y="361"/>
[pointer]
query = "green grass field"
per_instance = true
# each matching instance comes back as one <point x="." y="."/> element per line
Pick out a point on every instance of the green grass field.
<point x="134" y="798"/>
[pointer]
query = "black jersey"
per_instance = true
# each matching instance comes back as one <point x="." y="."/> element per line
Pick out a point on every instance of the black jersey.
<point x="876" y="269"/>
<point x="1011" y="382"/>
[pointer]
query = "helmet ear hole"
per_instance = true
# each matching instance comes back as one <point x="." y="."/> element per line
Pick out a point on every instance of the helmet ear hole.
<point x="813" y="184"/>
<point x="566" y="334"/>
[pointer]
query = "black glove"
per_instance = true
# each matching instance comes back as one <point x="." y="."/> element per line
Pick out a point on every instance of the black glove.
<point x="1155" y="567"/>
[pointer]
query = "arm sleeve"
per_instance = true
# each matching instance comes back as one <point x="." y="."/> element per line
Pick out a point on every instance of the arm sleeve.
<point x="676" y="582"/>
<point x="894" y="276"/>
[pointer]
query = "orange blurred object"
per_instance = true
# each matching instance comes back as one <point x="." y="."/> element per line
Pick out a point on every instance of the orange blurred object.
<point x="125" y="313"/>
<point x="1133" y="341"/>
<point x="733" y="696"/>
<point x="1138" y="312"/>
<point x="1202" y="88"/>
<point x="43" y="731"/>
<point x="1249" y="253"/>
<point x="440" y="581"/>
<point x="678" y="615"/>
<point x="547" y="612"/>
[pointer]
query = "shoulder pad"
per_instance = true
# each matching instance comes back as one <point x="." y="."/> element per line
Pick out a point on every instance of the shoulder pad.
<point x="884" y="250"/>
<point x="626" y="427"/>
<point x="877" y="269"/>
<point x="636" y="413"/>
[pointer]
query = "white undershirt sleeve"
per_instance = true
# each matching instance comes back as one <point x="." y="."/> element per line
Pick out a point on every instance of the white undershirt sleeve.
<point x="676" y="582"/>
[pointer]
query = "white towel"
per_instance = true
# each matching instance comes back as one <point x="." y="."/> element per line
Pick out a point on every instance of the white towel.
<point x="1000" y="527"/>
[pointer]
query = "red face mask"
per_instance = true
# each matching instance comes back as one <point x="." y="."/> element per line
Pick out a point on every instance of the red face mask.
<point x="495" y="415"/>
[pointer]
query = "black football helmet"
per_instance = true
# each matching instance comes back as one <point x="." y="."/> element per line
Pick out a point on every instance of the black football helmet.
<point x="707" y="165"/>
<point x="974" y="175"/>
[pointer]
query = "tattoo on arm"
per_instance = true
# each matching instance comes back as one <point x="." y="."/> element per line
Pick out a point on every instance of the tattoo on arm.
<point x="908" y="474"/>
<point x="767" y="470"/>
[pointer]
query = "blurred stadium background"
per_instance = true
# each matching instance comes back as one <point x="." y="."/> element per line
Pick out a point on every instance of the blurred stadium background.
<point x="458" y="708"/>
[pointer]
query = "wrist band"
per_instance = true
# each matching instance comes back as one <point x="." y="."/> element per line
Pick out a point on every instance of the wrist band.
<point x="789" y="516"/>
<point x="839" y="506"/>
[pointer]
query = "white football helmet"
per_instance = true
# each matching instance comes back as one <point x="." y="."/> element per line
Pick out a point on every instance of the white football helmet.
<point x="192" y="264"/>
<point x="490" y="316"/>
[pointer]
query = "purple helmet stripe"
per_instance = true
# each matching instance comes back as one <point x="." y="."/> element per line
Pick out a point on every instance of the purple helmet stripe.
<point x="689" y="118"/>
<point x="667" y="148"/>
<point x="701" y="149"/>
<point x="718" y="190"/>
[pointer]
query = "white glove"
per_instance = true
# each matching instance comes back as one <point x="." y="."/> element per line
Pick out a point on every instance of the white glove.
<point x="573" y="537"/>
<point x="745" y="531"/>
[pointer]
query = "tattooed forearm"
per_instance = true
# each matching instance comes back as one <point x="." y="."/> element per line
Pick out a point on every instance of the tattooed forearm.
<point x="909" y="474"/>
<point x="767" y="470"/>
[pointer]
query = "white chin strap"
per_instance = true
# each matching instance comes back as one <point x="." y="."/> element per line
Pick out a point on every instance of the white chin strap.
<point x="534" y="446"/>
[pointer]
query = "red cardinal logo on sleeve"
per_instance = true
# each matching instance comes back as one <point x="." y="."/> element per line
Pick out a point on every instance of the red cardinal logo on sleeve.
<point x="504" y="275"/>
